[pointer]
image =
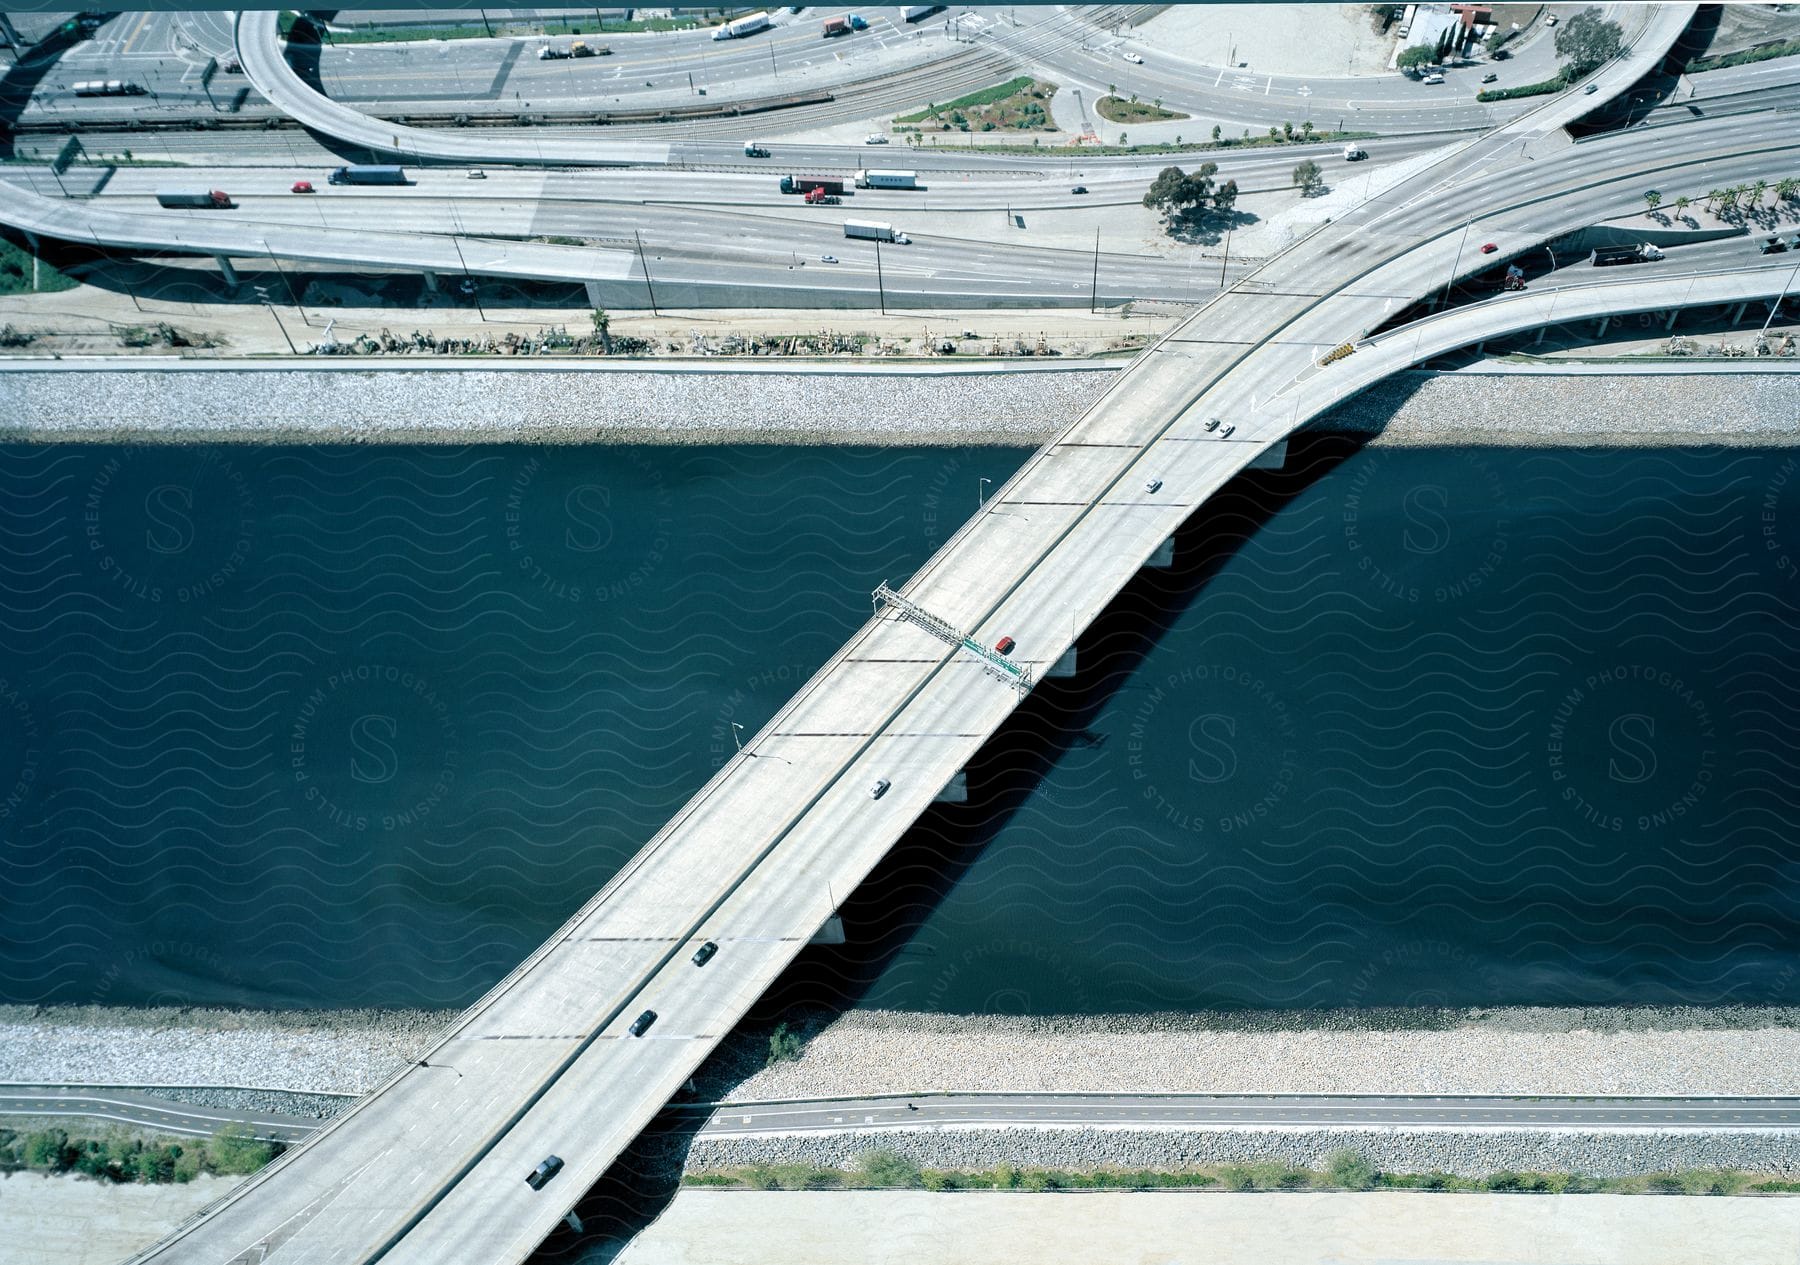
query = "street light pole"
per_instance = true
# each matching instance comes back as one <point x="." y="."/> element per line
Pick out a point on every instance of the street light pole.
<point x="1225" y="260"/>
<point x="474" y="290"/>
<point x="981" y="493"/>
<point x="1455" y="263"/>
<point x="282" y="273"/>
<point x="644" y="262"/>
<point x="880" y="283"/>
<point x="1779" y="300"/>
<point x="1094" y="294"/>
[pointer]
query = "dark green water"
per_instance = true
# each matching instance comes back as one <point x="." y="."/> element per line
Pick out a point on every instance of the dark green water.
<point x="357" y="727"/>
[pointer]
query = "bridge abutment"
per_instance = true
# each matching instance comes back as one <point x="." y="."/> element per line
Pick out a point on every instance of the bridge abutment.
<point x="956" y="790"/>
<point x="832" y="932"/>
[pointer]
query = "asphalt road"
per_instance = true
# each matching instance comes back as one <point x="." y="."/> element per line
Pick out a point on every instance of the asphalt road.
<point x="115" y="1105"/>
<point x="1244" y="1110"/>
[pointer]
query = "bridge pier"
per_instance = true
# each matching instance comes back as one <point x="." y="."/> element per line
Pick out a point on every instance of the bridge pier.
<point x="1739" y="314"/>
<point x="593" y="293"/>
<point x="956" y="790"/>
<point x="431" y="281"/>
<point x="1604" y="322"/>
<point x="1542" y="330"/>
<point x="572" y="1221"/>
<point x="1164" y="555"/>
<point x="1064" y="666"/>
<point x="1670" y="323"/>
<point x="227" y="271"/>
<point x="832" y="932"/>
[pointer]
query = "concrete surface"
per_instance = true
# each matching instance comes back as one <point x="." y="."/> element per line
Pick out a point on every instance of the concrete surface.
<point x="704" y="1227"/>
<point x="73" y="1221"/>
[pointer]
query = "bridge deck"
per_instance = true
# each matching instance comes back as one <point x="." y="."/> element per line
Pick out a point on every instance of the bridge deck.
<point x="432" y="1166"/>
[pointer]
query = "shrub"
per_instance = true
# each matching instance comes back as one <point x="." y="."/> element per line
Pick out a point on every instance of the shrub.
<point x="1523" y="90"/>
<point x="47" y="1148"/>
<point x="1348" y="1168"/>
<point x="883" y="1167"/>
<point x="233" y="1151"/>
<point x="784" y="1045"/>
<point x="1237" y="1177"/>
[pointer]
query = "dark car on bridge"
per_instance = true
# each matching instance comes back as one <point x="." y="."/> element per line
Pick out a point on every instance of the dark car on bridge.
<point x="704" y="953"/>
<point x="540" y="1176"/>
<point x="641" y="1024"/>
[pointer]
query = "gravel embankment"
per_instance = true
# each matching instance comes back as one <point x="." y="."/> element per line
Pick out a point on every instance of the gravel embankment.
<point x="873" y="404"/>
<point x="318" y="1106"/>
<point x="1466" y="1153"/>
<point x="1737" y="1050"/>
<point x="546" y="405"/>
<point x="341" y="1052"/>
<point x="1577" y="409"/>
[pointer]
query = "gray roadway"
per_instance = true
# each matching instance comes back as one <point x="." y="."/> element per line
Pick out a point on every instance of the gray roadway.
<point x="891" y="1111"/>
<point x="111" y="1104"/>
<point x="114" y="1105"/>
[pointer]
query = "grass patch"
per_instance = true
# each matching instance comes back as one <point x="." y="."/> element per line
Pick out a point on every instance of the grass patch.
<point x="120" y="1157"/>
<point x="1021" y="104"/>
<point x="885" y="1169"/>
<point x="1123" y="110"/>
<point x="1523" y="90"/>
<point x="16" y="265"/>
<point x="1768" y="52"/>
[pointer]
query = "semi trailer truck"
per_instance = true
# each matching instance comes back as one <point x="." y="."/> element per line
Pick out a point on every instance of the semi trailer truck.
<point x="1610" y="256"/>
<point x="369" y="174"/>
<point x="750" y="24"/>
<point x="806" y="184"/>
<point x="887" y="180"/>
<point x="869" y="230"/>
<point x="211" y="199"/>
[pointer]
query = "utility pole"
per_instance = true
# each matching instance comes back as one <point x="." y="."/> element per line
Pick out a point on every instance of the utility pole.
<point x="880" y="284"/>
<point x="263" y="294"/>
<point x="645" y="263"/>
<point x="1094" y="295"/>
<point x="474" y="290"/>
<point x="282" y="273"/>
<point x="1226" y="260"/>
<point x="1455" y="263"/>
<point x="1779" y="300"/>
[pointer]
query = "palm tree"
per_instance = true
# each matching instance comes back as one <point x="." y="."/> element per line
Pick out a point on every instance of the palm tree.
<point x="1757" y="190"/>
<point x="1681" y="206"/>
<point x="602" y="326"/>
<point x="1653" y="198"/>
<point x="1307" y="128"/>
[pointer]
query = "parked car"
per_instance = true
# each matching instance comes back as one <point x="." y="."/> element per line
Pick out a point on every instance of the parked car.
<point x="704" y="953"/>
<point x="879" y="788"/>
<point x="540" y="1176"/>
<point x="1080" y="188"/>
<point x="302" y="186"/>
<point x="875" y="138"/>
<point x="641" y="1024"/>
<point x="1550" y="21"/>
<point x="1005" y="645"/>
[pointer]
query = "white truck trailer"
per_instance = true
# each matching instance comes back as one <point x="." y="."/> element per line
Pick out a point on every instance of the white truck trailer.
<point x="870" y="231"/>
<point x="749" y="24"/>
<point x="887" y="180"/>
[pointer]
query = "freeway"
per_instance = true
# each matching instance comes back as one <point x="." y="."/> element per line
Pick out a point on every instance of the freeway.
<point x="429" y="1166"/>
<point x="1226" y="1111"/>
<point x="124" y="1105"/>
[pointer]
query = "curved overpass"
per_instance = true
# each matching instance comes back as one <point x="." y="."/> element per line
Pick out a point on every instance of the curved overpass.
<point x="260" y="52"/>
<point x="431" y="1166"/>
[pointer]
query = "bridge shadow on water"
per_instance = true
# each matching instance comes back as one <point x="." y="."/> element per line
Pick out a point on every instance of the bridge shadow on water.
<point x="883" y="915"/>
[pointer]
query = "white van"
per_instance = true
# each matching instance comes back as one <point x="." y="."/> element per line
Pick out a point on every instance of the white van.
<point x="1433" y="77"/>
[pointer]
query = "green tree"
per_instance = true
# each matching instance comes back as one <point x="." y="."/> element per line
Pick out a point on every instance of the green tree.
<point x="1287" y="131"/>
<point x="1585" y="41"/>
<point x="1416" y="56"/>
<point x="1681" y="205"/>
<point x="46" y="1149"/>
<point x="603" y="326"/>
<point x="1308" y="177"/>
<point x="1756" y="192"/>
<point x="1653" y="198"/>
<point x="1215" y="131"/>
<point x="1226" y="197"/>
<point x="1306" y="130"/>
<point x="1348" y="1168"/>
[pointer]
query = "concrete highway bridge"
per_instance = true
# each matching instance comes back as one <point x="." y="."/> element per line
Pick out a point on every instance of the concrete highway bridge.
<point x="431" y="1166"/>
